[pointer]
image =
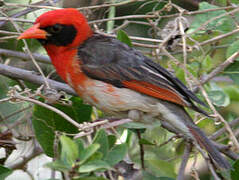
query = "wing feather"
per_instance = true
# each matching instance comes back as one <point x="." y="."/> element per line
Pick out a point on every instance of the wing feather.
<point x="107" y="59"/>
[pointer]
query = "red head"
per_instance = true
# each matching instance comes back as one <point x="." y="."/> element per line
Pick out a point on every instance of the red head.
<point x="60" y="32"/>
<point x="63" y="27"/>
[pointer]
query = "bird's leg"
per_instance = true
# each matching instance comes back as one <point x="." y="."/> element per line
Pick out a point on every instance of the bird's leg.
<point x="137" y="115"/>
<point x="141" y="149"/>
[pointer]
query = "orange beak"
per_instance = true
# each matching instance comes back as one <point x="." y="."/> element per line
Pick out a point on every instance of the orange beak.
<point x="33" y="32"/>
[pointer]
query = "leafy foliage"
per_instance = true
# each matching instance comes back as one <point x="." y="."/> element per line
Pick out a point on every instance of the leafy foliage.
<point x="235" y="171"/>
<point x="46" y="122"/>
<point x="123" y="37"/>
<point x="81" y="160"/>
<point x="223" y="24"/>
<point x="4" y="172"/>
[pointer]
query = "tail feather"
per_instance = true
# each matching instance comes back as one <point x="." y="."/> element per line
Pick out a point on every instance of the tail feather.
<point x="205" y="143"/>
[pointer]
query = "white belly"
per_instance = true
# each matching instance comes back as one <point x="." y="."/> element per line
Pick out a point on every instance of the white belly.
<point x="120" y="101"/>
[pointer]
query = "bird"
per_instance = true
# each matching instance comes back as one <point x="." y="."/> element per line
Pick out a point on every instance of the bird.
<point x="118" y="79"/>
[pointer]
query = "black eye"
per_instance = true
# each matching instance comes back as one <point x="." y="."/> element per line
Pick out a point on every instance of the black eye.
<point x="56" y="28"/>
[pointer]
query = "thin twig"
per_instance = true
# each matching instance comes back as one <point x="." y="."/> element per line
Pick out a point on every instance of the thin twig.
<point x="218" y="133"/>
<point x="217" y="70"/>
<point x="228" y="128"/>
<point x="34" y="101"/>
<point x="184" y="161"/>
<point x="141" y="16"/>
<point x="213" y="19"/>
<point x="217" y="38"/>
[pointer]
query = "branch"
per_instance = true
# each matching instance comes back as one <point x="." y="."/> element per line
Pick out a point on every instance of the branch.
<point x="31" y="76"/>
<point x="222" y="130"/>
<point x="16" y="96"/>
<point x="225" y="149"/>
<point x="27" y="10"/>
<point x="217" y="70"/>
<point x="21" y="55"/>
<point x="183" y="164"/>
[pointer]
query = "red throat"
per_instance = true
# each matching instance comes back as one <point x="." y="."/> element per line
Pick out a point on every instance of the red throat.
<point x="67" y="65"/>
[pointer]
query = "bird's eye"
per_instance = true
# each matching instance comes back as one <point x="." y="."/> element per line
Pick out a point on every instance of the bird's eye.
<point x="56" y="28"/>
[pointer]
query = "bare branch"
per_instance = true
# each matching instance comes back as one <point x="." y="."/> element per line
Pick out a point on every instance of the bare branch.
<point x="21" y="55"/>
<point x="31" y="76"/>
<point x="184" y="161"/>
<point x="222" y="130"/>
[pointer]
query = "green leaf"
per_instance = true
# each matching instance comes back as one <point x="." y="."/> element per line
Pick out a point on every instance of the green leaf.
<point x="233" y="72"/>
<point x="223" y="24"/>
<point x="193" y="68"/>
<point x="93" y="166"/>
<point x="166" y="178"/>
<point x="116" y="154"/>
<point x="234" y="47"/>
<point x="207" y="64"/>
<point x="58" y="165"/>
<point x="145" y="141"/>
<point x="80" y="145"/>
<point x="111" y="139"/>
<point x="235" y="1"/>
<point x="123" y="37"/>
<point x="102" y="139"/>
<point x="81" y="112"/>
<point x="219" y="98"/>
<point x="232" y="91"/>
<point x="96" y="156"/>
<point x="149" y="176"/>
<point x="135" y="126"/>
<point x="4" y="172"/>
<point x="235" y="171"/>
<point x="88" y="152"/>
<point x="46" y="122"/>
<point x="69" y="150"/>
<point x="7" y="108"/>
<point x="44" y="133"/>
<point x="179" y="73"/>
<point x="164" y="167"/>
